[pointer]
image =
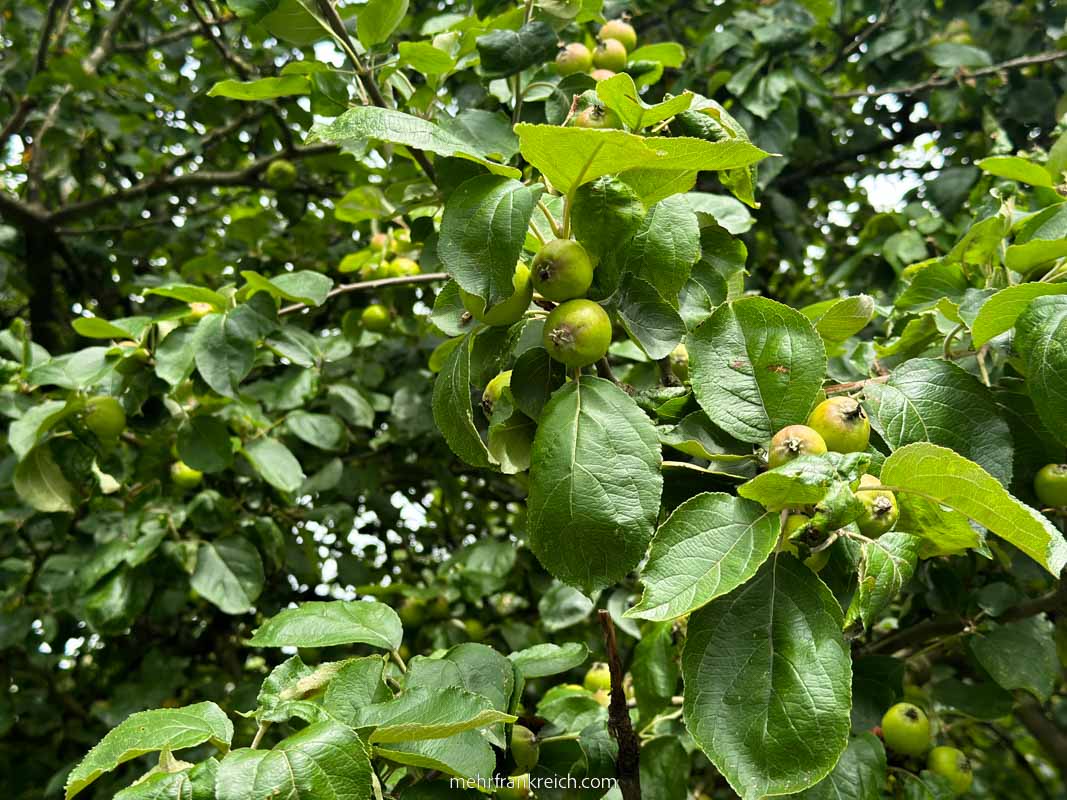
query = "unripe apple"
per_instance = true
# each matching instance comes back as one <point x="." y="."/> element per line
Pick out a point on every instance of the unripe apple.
<point x="598" y="678"/>
<point x="510" y="310"/>
<point x="793" y="441"/>
<point x="842" y="423"/>
<point x="475" y="630"/>
<point x="610" y="54"/>
<point x="620" y="30"/>
<point x="1050" y="485"/>
<point x="184" y="476"/>
<point x="574" y="58"/>
<point x="881" y="510"/>
<point x="906" y="730"/>
<point x="524" y="748"/>
<point x="577" y="333"/>
<point x="953" y="765"/>
<point x="378" y="242"/>
<point x="596" y="116"/>
<point x="599" y="75"/>
<point x="679" y="360"/>
<point x="198" y="311"/>
<point x="562" y="270"/>
<point x="281" y="174"/>
<point x="375" y="318"/>
<point x="493" y="390"/>
<point x="412" y="613"/>
<point x="519" y="788"/>
<point x="105" y="417"/>
<point x="403" y="267"/>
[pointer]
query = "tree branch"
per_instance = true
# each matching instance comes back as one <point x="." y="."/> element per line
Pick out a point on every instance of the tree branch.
<point x="1048" y="734"/>
<point x="628" y="763"/>
<point x="861" y="37"/>
<point x="379" y="283"/>
<point x="175" y="35"/>
<point x="945" y="80"/>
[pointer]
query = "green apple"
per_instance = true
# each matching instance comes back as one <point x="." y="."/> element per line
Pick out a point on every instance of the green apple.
<point x="105" y="417"/>
<point x="842" y="423"/>
<point x="577" y="333"/>
<point x="610" y="54"/>
<point x="574" y="58"/>
<point x="184" y="476"/>
<point x="881" y="511"/>
<point x="1050" y="485"/>
<point x="375" y="317"/>
<point x="793" y="441"/>
<point x="510" y="310"/>
<point x="598" y="678"/>
<point x="562" y="270"/>
<point x="952" y="764"/>
<point x="620" y="30"/>
<point x="906" y="729"/>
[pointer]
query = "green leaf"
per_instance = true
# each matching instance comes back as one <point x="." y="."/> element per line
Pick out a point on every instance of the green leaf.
<point x="176" y="356"/>
<point x="324" y="760"/>
<point x="804" y="481"/>
<point x="1020" y="655"/>
<point x="225" y="348"/>
<point x="452" y="409"/>
<point x="729" y="212"/>
<point x="652" y="322"/>
<point x="151" y="731"/>
<point x="669" y="54"/>
<point x="1041" y="339"/>
<point x="1017" y="169"/>
<point x="604" y="213"/>
<point x="943" y="476"/>
<point x="425" y="58"/>
<point x="732" y="536"/>
<point x="378" y="19"/>
<point x="482" y="234"/>
<point x="275" y="463"/>
<point x="97" y="328"/>
<point x="262" y="89"/>
<point x="252" y="10"/>
<point x="662" y="252"/>
<point x="190" y="293"/>
<point x="41" y="484"/>
<point x="188" y="782"/>
<point x="534" y="378"/>
<point x="420" y="713"/>
<point x="655" y="669"/>
<point x="292" y="22"/>
<point x="318" y="624"/>
<point x="888" y="563"/>
<point x="229" y="573"/>
<point x="756" y="366"/>
<point x="770" y="708"/>
<point x="1041" y="239"/>
<point x="931" y="400"/>
<point x="204" y="444"/>
<point x="569" y="157"/>
<point x="859" y="775"/>
<point x="595" y="484"/>
<point x="370" y="122"/>
<point x="359" y="682"/>
<point x="1001" y="311"/>
<point x="319" y="430"/>
<point x="619" y="93"/>
<point x="837" y="320"/>
<point x="466" y="755"/>
<point x="543" y="660"/>
<point x="304" y="286"/>
<point x="25" y="432"/>
<point x="952" y="55"/>
<point x="508" y="52"/>
<point x="285" y="691"/>
<point x="79" y="370"/>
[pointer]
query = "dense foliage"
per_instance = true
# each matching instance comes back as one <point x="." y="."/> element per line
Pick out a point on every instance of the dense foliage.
<point x="375" y="373"/>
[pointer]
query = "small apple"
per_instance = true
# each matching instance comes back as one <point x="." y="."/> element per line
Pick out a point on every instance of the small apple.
<point x="493" y="390"/>
<point x="881" y="510"/>
<point x="610" y="54"/>
<point x="562" y="270"/>
<point x="184" y="476"/>
<point x="598" y="678"/>
<point x="953" y="765"/>
<point x="793" y="441"/>
<point x="574" y="58"/>
<point x="842" y="423"/>
<point x="105" y="417"/>
<point x="620" y="30"/>
<point x="1050" y="485"/>
<point x="375" y="317"/>
<point x="577" y="333"/>
<point x="281" y="174"/>
<point x="906" y="729"/>
<point x="510" y="310"/>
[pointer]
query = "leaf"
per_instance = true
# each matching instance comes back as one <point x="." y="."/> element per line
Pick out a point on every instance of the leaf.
<point x="191" y="783"/>
<point x="176" y="356"/>
<point x="319" y="430"/>
<point x="359" y="682"/>
<point x="324" y="760"/>
<point x="225" y="348"/>
<point x="569" y="157"/>
<point x="25" y="432"/>
<point x="41" y="484"/>
<point x="952" y="55"/>
<point x="665" y="769"/>
<point x="931" y="400"/>
<point x="229" y="573"/>
<point x="662" y="251"/>
<point x="1041" y="239"/>
<point x="1017" y="169"/>
<point x="482" y="234"/>
<point x="859" y="775"/>
<point x="97" y="328"/>
<point x="728" y="212"/>
<point x="371" y="122"/>
<point x="204" y="444"/>
<point x="275" y="463"/>
<point x="619" y="93"/>
<point x="425" y="58"/>
<point x="805" y="480"/>
<point x="708" y="546"/>
<point x="1001" y="311"/>
<point x="305" y="286"/>
<point x="543" y="660"/>
<point x="1041" y="339"/>
<point x="419" y="714"/>
<point x="1020" y="655"/>
<point x="291" y="22"/>
<point x="756" y="366"/>
<point x="770" y="708"/>
<point x="604" y="213"/>
<point x="534" y="378"/>
<point x="190" y="293"/>
<point x="319" y="624"/>
<point x="466" y="755"/>
<point x="507" y="52"/>
<point x="888" y="563"/>
<point x="655" y="669"/>
<point x="452" y="409"/>
<point x="79" y="370"/>
<point x="595" y="484"/>
<point x="262" y="89"/>
<point x="837" y="320"/>
<point x="378" y="19"/>
<point x="150" y="731"/>
<point x="943" y="476"/>
<point x="649" y="320"/>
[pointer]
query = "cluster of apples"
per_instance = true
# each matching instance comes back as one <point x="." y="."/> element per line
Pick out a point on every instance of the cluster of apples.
<point x="617" y="39"/>
<point x="393" y="250"/>
<point x="840" y="425"/>
<point x="906" y="731"/>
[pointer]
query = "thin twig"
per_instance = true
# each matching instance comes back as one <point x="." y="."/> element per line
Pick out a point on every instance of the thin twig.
<point x="379" y="283"/>
<point x="945" y="80"/>
<point x="840" y="388"/>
